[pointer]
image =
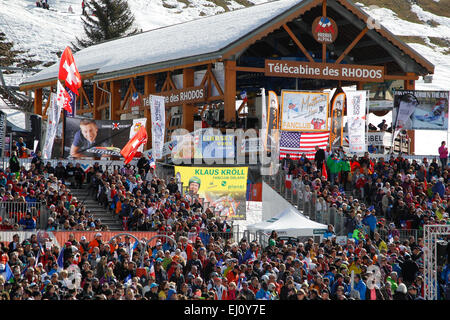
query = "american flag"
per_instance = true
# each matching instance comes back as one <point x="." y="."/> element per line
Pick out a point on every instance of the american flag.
<point x="296" y="143"/>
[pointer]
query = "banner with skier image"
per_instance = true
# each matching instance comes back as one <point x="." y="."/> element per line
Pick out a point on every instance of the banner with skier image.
<point x="421" y="110"/>
<point x="304" y="111"/>
<point x="54" y="112"/>
<point x="272" y="120"/>
<point x="356" y="120"/>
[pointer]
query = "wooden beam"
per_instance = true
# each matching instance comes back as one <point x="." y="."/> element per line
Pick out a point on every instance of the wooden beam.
<point x="188" y="109"/>
<point x="97" y="115"/>
<point x="38" y="101"/>
<point x="115" y="100"/>
<point x="216" y="83"/>
<point x="50" y="83"/>
<point x="250" y="69"/>
<point x="297" y="42"/>
<point x="401" y="77"/>
<point x="230" y="90"/>
<point x="350" y="47"/>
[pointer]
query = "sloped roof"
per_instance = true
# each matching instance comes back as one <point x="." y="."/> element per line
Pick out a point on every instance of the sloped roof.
<point x="189" y="42"/>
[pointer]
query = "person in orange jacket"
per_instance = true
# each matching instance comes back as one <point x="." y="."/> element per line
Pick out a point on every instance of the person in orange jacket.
<point x="96" y="242"/>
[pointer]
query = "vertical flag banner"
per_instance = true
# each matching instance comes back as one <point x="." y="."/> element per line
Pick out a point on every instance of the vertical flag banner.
<point x="263" y="110"/>
<point x="223" y="189"/>
<point x="2" y="132"/>
<point x="72" y="104"/>
<point x="337" y="120"/>
<point x="53" y="114"/>
<point x="272" y="118"/>
<point x="158" y="114"/>
<point x="356" y="120"/>
<point x="304" y="111"/>
<point x="63" y="97"/>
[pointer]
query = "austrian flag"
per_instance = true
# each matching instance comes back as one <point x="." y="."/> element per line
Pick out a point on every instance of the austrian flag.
<point x="68" y="71"/>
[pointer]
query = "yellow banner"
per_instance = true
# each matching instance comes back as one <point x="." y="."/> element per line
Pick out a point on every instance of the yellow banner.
<point x="221" y="188"/>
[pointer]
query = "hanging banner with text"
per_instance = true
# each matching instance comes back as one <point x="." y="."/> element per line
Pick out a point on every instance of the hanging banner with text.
<point x="356" y="119"/>
<point x="158" y="114"/>
<point x="304" y="111"/>
<point x="224" y="189"/>
<point x="326" y="71"/>
<point x="337" y="120"/>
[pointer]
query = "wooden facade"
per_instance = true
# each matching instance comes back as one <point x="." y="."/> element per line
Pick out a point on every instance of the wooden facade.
<point x="290" y="35"/>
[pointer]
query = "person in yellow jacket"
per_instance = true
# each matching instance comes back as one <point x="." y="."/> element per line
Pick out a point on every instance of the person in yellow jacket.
<point x="355" y="266"/>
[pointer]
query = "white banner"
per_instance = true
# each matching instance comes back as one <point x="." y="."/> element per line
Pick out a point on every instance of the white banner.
<point x="304" y="111"/>
<point x="54" y="112"/>
<point x="158" y="113"/>
<point x="137" y="123"/>
<point x="263" y="109"/>
<point x="356" y="120"/>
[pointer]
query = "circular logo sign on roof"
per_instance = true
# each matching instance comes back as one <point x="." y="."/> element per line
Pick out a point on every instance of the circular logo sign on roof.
<point x="324" y="30"/>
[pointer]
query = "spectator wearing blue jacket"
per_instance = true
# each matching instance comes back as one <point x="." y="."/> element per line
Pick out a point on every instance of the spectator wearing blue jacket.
<point x="250" y="254"/>
<point x="28" y="222"/>
<point x="359" y="286"/>
<point x="338" y="282"/>
<point x="370" y="220"/>
<point x="439" y="187"/>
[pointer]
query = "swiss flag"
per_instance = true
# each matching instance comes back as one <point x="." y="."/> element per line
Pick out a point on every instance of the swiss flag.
<point x="63" y="98"/>
<point x="68" y="71"/>
<point x="132" y="146"/>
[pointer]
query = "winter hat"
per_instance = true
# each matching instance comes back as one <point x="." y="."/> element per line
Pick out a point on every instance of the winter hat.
<point x="402" y="288"/>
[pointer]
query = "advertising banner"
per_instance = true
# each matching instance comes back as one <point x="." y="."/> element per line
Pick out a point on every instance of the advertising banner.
<point x="356" y="119"/>
<point x="137" y="123"/>
<point x="421" y="110"/>
<point x="54" y="112"/>
<point x="158" y="114"/>
<point x="217" y="146"/>
<point x="95" y="138"/>
<point x="337" y="120"/>
<point x="223" y="189"/>
<point x="304" y="111"/>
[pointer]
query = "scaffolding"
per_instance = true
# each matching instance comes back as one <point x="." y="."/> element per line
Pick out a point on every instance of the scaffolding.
<point x="432" y="233"/>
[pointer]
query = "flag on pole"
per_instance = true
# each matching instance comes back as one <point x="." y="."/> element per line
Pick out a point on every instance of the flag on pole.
<point x="132" y="146"/>
<point x="68" y="71"/>
<point x="297" y="143"/>
<point x="63" y="98"/>
<point x="7" y="273"/>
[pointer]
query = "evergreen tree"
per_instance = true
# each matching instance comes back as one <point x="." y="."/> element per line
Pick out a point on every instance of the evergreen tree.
<point x="8" y="56"/>
<point x="105" y="20"/>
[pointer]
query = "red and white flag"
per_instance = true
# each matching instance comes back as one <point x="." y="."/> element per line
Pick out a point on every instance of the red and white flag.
<point x="68" y="71"/>
<point x="288" y="181"/>
<point x="63" y="98"/>
<point x="132" y="146"/>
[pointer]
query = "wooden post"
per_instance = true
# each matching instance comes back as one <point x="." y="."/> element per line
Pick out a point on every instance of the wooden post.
<point x="149" y="88"/>
<point x="410" y="85"/>
<point x="230" y="90"/>
<point x="324" y="45"/>
<point x="96" y="113"/>
<point x="115" y="99"/>
<point x="38" y="101"/>
<point x="188" y="109"/>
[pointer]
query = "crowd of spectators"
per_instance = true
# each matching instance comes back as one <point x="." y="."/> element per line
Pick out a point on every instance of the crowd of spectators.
<point x="386" y="193"/>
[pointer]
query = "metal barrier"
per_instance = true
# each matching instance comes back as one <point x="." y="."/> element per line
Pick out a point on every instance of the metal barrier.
<point x="13" y="211"/>
<point x="404" y="234"/>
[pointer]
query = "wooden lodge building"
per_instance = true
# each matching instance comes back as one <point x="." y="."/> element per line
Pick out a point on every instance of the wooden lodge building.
<point x="204" y="65"/>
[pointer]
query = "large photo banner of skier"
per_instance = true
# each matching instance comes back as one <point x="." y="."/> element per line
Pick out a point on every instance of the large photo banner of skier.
<point x="337" y="120"/>
<point x="223" y="189"/>
<point x="421" y="110"/>
<point x="88" y="138"/>
<point x="304" y="111"/>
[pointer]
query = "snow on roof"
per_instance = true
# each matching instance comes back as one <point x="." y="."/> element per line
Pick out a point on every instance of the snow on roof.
<point x="189" y="39"/>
